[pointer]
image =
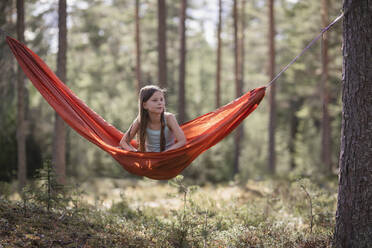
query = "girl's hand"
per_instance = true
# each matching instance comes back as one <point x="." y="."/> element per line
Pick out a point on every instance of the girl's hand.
<point x="131" y="149"/>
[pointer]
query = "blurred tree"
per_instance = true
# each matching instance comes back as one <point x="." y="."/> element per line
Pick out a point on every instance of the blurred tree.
<point x="294" y="105"/>
<point x="243" y="25"/>
<point x="237" y="84"/>
<point x="182" y="64"/>
<point x="138" y="47"/>
<point x="162" y="43"/>
<point x="219" y="61"/>
<point x="8" y="141"/>
<point x="326" y="122"/>
<point x="239" y="136"/>
<point x="59" y="139"/>
<point x="272" y="92"/>
<point x="21" y="122"/>
<point x="353" y="217"/>
<point x="239" y="25"/>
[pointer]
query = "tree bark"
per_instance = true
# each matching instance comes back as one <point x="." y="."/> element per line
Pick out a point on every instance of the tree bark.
<point x="137" y="40"/>
<point x="272" y="92"/>
<point x="59" y="141"/>
<point x="182" y="68"/>
<point x="21" y="125"/>
<point x="162" y="44"/>
<point x="219" y="59"/>
<point x="354" y="212"/>
<point x="326" y="125"/>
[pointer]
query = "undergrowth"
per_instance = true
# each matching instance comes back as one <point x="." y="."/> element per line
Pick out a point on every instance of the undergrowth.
<point x="271" y="213"/>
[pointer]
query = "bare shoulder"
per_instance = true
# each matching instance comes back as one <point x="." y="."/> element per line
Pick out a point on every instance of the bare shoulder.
<point x="170" y="119"/>
<point x="173" y="125"/>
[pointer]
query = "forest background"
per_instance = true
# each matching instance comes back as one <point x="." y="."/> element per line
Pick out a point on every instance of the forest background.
<point x="101" y="71"/>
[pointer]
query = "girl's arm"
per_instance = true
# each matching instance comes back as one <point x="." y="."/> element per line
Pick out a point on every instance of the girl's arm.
<point x="177" y="132"/>
<point x="128" y="136"/>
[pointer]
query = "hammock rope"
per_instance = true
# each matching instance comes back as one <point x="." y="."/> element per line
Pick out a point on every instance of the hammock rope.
<point x="201" y="133"/>
<point x="311" y="43"/>
<point x="352" y="6"/>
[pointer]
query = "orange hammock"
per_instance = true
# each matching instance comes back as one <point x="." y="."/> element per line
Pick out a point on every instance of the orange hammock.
<point x="201" y="133"/>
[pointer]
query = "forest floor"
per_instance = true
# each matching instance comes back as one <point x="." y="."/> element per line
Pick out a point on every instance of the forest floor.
<point x="144" y="213"/>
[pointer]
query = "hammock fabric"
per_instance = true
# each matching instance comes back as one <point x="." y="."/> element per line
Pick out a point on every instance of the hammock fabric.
<point x="201" y="133"/>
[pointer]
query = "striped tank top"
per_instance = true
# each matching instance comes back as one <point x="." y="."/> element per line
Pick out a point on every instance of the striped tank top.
<point x="153" y="139"/>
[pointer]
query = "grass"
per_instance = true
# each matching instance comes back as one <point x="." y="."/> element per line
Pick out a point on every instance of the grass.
<point x="145" y="213"/>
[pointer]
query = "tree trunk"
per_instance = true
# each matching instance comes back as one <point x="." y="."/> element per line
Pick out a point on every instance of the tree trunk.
<point x="59" y="142"/>
<point x="182" y="69"/>
<point x="138" y="48"/>
<point x="293" y="129"/>
<point x="237" y="67"/>
<point x="238" y="54"/>
<point x="354" y="213"/>
<point x="272" y="92"/>
<point x="162" y="43"/>
<point x="21" y="132"/>
<point x="242" y="47"/>
<point x="326" y="126"/>
<point x="219" y="48"/>
<point x="237" y="79"/>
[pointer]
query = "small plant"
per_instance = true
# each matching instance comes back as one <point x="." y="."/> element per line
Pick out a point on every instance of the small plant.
<point x="122" y="208"/>
<point x="310" y="207"/>
<point x="205" y="231"/>
<point x="76" y="200"/>
<point x="182" y="188"/>
<point x="48" y="191"/>
<point x="26" y="197"/>
<point x="317" y="204"/>
<point x="186" y="223"/>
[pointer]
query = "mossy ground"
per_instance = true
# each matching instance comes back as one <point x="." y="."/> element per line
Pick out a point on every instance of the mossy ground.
<point x="269" y="213"/>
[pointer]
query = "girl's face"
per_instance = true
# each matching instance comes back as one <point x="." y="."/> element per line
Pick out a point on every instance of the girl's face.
<point x="156" y="103"/>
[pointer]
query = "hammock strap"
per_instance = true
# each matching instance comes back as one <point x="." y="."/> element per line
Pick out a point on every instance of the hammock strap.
<point x="352" y="6"/>
<point x="305" y="49"/>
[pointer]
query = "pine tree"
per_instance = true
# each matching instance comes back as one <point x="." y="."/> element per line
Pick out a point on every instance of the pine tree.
<point x="353" y="217"/>
<point x="219" y="57"/>
<point x="138" y="47"/>
<point x="21" y="128"/>
<point x="182" y="65"/>
<point x="59" y="142"/>
<point x="326" y="125"/>
<point x="162" y="43"/>
<point x="272" y="104"/>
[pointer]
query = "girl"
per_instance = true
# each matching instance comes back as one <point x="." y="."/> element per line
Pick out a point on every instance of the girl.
<point x="157" y="130"/>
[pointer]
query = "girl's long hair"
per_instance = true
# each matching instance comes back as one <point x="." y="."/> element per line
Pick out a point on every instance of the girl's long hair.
<point x="144" y="95"/>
